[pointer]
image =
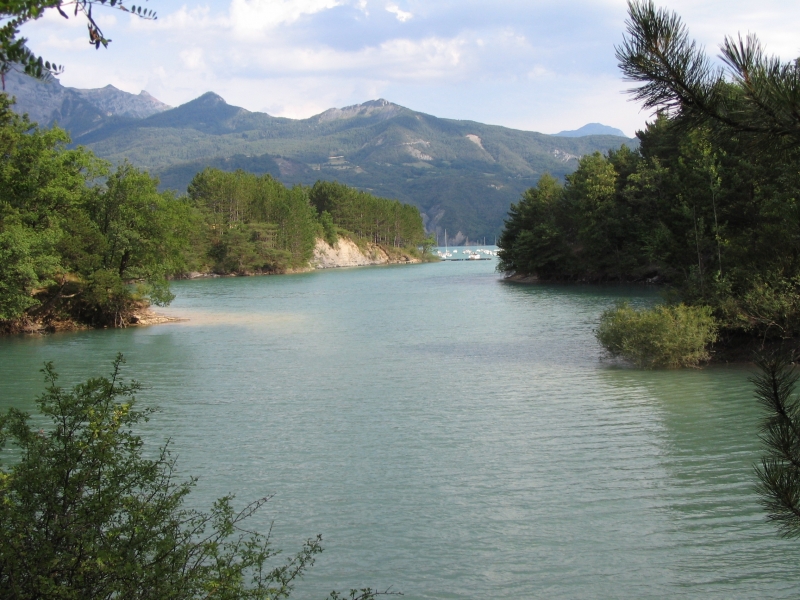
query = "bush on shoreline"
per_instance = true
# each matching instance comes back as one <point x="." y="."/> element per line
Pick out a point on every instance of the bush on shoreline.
<point x="664" y="336"/>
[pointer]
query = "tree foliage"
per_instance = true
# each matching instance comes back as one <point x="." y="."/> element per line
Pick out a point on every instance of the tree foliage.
<point x="534" y="239"/>
<point x="779" y="471"/>
<point x="74" y="233"/>
<point x="84" y="513"/>
<point x="708" y="202"/>
<point x="715" y="216"/>
<point x="379" y="220"/>
<point x="755" y="95"/>
<point x="80" y="240"/>
<point x="254" y="223"/>
<point x="711" y="219"/>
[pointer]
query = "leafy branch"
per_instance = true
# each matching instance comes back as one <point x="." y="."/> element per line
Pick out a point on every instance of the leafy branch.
<point x="14" y="51"/>
<point x="753" y="94"/>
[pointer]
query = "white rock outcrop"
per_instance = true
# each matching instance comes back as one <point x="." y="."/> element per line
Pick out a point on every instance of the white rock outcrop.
<point x="345" y="253"/>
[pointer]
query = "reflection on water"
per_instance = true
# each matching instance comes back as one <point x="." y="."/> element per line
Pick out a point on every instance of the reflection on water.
<point x="449" y="434"/>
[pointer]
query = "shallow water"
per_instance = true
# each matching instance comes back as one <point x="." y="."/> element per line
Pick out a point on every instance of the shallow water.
<point x="449" y="434"/>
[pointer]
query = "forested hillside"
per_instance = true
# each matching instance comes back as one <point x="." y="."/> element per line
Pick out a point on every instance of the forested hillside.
<point x="82" y="242"/>
<point x="461" y="174"/>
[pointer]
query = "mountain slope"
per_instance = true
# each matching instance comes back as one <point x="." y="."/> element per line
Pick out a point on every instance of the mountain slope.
<point x="592" y="129"/>
<point x="463" y="175"/>
<point x="78" y="111"/>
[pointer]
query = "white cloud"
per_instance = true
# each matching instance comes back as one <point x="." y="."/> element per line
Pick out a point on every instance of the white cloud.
<point x="399" y="14"/>
<point x="539" y="72"/>
<point x="198" y="18"/>
<point x="192" y="58"/>
<point x="64" y="44"/>
<point x="257" y="16"/>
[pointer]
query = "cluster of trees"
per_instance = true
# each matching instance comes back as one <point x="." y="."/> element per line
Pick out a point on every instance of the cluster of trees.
<point x="707" y="203"/>
<point x="385" y="222"/>
<point x="254" y="223"/>
<point x="82" y="241"/>
<point x="251" y="223"/>
<point x="70" y="244"/>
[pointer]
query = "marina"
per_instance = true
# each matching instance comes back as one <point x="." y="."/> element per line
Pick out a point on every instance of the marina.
<point x="467" y="253"/>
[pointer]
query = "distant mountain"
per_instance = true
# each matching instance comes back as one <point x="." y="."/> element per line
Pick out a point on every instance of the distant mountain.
<point x="462" y="175"/>
<point x="592" y="129"/>
<point x="78" y="111"/>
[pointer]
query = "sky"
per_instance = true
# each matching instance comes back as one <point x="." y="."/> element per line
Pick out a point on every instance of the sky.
<point x="528" y="64"/>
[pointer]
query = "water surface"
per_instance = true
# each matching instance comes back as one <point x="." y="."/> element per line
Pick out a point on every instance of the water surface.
<point x="448" y="434"/>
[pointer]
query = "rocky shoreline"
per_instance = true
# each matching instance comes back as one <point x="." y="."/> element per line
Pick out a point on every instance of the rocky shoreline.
<point x="141" y="317"/>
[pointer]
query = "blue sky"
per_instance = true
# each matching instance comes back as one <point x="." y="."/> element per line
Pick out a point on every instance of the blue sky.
<point x="528" y="64"/>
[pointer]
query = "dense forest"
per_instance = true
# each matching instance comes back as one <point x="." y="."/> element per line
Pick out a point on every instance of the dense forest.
<point x="84" y="242"/>
<point x="707" y="203"/>
<point x="718" y="223"/>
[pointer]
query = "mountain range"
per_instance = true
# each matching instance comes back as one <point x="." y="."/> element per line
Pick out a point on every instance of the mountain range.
<point x="592" y="129"/>
<point x="463" y="175"/>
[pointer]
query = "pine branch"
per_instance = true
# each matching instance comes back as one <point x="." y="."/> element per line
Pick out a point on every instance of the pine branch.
<point x="779" y="471"/>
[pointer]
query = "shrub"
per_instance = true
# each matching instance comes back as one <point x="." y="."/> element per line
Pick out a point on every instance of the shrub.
<point x="85" y="514"/>
<point x="664" y="336"/>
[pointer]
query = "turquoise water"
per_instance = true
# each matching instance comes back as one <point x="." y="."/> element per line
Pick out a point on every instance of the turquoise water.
<point x="448" y="434"/>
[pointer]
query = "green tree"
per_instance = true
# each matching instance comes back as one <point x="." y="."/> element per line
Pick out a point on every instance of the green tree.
<point x="84" y="513"/>
<point x="664" y="336"/>
<point x="532" y="241"/>
<point x="254" y="223"/>
<point x="75" y="235"/>
<point x="328" y="228"/>
<point x="379" y="220"/>
<point x="142" y="231"/>
<point x="41" y="182"/>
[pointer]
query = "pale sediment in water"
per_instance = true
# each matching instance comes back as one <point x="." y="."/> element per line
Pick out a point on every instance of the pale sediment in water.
<point x="344" y="253"/>
<point x="147" y="316"/>
<point x="250" y="320"/>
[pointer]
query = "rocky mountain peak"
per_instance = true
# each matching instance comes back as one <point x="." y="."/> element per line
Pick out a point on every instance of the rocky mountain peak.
<point x="380" y="108"/>
<point x="46" y="102"/>
<point x="210" y="98"/>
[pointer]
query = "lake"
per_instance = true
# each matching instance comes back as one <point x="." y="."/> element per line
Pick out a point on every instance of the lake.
<point x="448" y="434"/>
